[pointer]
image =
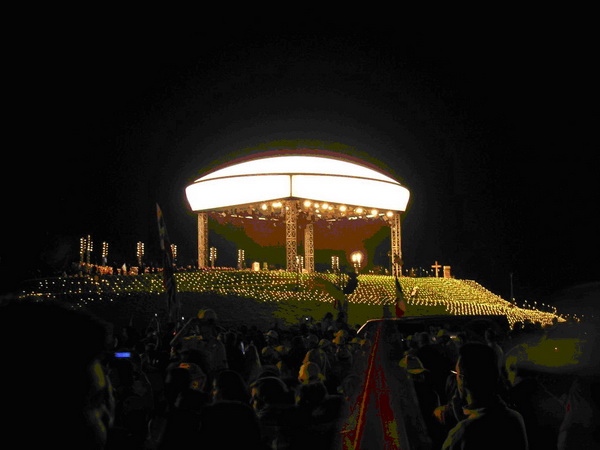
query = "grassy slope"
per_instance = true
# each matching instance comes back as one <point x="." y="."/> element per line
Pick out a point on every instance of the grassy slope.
<point x="258" y="298"/>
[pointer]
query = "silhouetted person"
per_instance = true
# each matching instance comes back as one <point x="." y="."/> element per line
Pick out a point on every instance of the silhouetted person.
<point x="426" y="396"/>
<point x="270" y="399"/>
<point x="200" y="334"/>
<point x="541" y="410"/>
<point x="134" y="400"/>
<point x="319" y="357"/>
<point x="252" y="364"/>
<point x="326" y="322"/>
<point x="295" y="356"/>
<point x="228" y="385"/>
<point x="298" y="430"/>
<point x="310" y="372"/>
<point x="55" y="390"/>
<point x="436" y="361"/>
<point x="580" y="427"/>
<point x="449" y="347"/>
<point x="178" y="424"/>
<point x="233" y="352"/>
<point x="491" y="339"/>
<point x="490" y="424"/>
<point x="230" y="425"/>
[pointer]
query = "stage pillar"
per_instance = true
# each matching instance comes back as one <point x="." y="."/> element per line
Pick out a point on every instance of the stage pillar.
<point x="396" y="246"/>
<point x="309" y="248"/>
<point x="291" y="235"/>
<point x="202" y="240"/>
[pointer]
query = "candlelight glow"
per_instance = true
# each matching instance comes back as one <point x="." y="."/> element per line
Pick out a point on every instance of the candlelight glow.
<point x="445" y="295"/>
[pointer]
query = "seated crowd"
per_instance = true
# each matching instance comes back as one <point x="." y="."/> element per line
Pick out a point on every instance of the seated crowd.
<point x="209" y="387"/>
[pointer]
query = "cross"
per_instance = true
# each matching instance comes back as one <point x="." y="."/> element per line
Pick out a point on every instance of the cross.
<point x="437" y="267"/>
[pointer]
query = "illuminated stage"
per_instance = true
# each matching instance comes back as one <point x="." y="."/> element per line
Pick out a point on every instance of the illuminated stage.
<point x="295" y="191"/>
<point x="299" y="189"/>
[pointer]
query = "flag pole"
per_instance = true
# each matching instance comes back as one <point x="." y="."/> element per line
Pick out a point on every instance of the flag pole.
<point x="400" y="302"/>
<point x="170" y="284"/>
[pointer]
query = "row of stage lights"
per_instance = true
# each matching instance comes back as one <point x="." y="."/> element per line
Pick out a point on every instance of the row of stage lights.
<point x="359" y="211"/>
<point x="318" y="208"/>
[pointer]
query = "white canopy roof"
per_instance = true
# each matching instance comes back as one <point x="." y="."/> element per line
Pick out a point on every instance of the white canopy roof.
<point x="311" y="177"/>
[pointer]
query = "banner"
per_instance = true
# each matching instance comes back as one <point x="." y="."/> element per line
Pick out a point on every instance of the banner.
<point x="170" y="284"/>
<point x="330" y="287"/>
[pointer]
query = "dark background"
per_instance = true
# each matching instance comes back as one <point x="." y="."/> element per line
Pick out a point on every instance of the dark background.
<point x="491" y="131"/>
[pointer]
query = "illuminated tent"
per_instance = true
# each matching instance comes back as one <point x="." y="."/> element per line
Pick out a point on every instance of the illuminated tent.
<point x="286" y="186"/>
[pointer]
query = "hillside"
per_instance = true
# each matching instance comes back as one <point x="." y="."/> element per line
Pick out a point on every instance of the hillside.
<point x="264" y="297"/>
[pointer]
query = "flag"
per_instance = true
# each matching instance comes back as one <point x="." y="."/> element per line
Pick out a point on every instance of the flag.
<point x="329" y="287"/>
<point x="400" y="303"/>
<point x="169" y="282"/>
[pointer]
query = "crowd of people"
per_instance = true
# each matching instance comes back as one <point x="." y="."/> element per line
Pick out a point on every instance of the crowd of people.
<point x="79" y="383"/>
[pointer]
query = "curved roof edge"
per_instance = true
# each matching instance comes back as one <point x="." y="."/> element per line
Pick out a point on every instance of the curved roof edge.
<point x="322" y="178"/>
<point x="297" y="163"/>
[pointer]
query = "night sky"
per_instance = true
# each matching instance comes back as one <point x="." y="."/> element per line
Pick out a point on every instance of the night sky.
<point x="491" y="134"/>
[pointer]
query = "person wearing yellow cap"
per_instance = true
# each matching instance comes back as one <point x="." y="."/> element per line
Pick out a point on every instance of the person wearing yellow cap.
<point x="319" y="357"/>
<point x="340" y="338"/>
<point x="310" y="372"/>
